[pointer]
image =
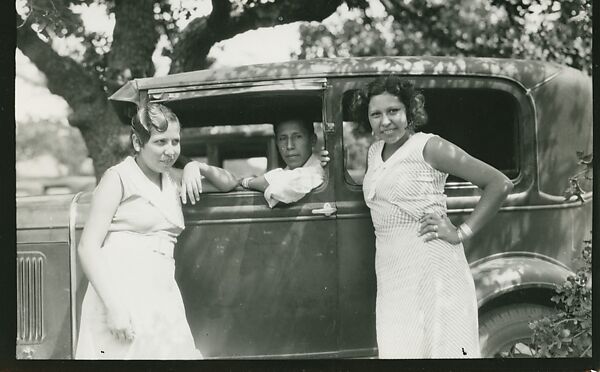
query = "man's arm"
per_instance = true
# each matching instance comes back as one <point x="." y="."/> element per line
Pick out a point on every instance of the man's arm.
<point x="287" y="186"/>
<point x="259" y="183"/>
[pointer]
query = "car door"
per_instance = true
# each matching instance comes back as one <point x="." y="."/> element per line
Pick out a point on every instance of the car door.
<point x="258" y="282"/>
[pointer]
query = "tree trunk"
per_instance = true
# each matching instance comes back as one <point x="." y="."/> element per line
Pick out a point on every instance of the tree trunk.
<point x="84" y="89"/>
<point x="106" y="138"/>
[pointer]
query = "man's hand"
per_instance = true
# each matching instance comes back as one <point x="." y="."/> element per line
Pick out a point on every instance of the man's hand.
<point x="191" y="182"/>
<point x="324" y="157"/>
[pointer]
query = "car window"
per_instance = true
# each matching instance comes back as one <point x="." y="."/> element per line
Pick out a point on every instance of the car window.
<point x="236" y="132"/>
<point x="240" y="154"/>
<point x="483" y="122"/>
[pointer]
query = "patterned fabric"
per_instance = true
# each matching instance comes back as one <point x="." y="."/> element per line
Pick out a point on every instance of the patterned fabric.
<point x="288" y="186"/>
<point x="138" y="251"/>
<point x="426" y="304"/>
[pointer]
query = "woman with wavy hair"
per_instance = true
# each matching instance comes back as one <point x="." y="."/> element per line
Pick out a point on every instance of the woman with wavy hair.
<point x="132" y="308"/>
<point x="426" y="305"/>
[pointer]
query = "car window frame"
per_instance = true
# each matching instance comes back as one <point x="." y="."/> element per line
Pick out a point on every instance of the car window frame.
<point x="525" y="122"/>
<point x="184" y="92"/>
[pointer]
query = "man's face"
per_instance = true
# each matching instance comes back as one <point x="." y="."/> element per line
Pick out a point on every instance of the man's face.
<point x="294" y="143"/>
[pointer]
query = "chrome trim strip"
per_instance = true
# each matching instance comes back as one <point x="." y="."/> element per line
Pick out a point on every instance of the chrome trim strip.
<point x="42" y="242"/>
<point x="536" y="149"/>
<point x="546" y="80"/>
<point x="275" y="85"/>
<point x="587" y="196"/>
<point x="349" y="216"/>
<point x="72" y="270"/>
<point x="367" y="215"/>
<point x="342" y="215"/>
<point x="19" y="285"/>
<point x="41" y="228"/>
<point x="30" y="297"/>
<point x="40" y="308"/>
<point x="261" y="220"/>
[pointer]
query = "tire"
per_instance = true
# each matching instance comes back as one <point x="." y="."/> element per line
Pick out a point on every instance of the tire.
<point x="507" y="327"/>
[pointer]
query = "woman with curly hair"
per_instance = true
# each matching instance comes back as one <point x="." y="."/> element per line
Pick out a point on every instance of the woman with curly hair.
<point x="426" y="304"/>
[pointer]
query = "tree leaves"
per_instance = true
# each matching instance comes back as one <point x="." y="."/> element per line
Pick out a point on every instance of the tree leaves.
<point x="529" y="29"/>
<point x="53" y="18"/>
<point x="568" y="333"/>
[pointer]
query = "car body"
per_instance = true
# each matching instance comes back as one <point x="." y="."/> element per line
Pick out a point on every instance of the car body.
<point x="298" y="280"/>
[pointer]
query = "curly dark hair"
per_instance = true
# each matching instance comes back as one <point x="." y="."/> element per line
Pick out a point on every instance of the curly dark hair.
<point x="404" y="89"/>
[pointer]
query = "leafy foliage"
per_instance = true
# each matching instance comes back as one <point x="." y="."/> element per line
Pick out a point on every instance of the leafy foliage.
<point x="568" y="333"/>
<point x="583" y="178"/>
<point x="559" y="31"/>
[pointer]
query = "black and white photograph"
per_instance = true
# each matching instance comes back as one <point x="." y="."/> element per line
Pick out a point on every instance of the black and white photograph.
<point x="253" y="180"/>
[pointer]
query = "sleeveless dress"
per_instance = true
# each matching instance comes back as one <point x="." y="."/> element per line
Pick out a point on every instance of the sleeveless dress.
<point x="138" y="251"/>
<point x="426" y="305"/>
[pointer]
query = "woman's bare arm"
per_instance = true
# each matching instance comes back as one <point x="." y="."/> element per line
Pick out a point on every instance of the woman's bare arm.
<point x="191" y="184"/>
<point x="105" y="201"/>
<point x="449" y="158"/>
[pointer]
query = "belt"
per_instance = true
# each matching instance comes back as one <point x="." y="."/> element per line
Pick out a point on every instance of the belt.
<point x="155" y="243"/>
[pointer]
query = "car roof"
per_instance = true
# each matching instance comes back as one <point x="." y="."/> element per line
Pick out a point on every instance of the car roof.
<point x="526" y="73"/>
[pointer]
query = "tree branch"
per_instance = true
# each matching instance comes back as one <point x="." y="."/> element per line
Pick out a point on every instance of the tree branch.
<point x="65" y="77"/>
<point x="223" y="23"/>
<point x="134" y="40"/>
<point x="280" y="12"/>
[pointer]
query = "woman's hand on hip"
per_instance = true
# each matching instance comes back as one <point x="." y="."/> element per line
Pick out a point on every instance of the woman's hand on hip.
<point x="120" y="323"/>
<point x="438" y="226"/>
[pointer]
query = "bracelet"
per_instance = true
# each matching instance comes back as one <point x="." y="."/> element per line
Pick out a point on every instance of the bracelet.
<point x="464" y="232"/>
<point x="460" y="235"/>
<point x="246" y="182"/>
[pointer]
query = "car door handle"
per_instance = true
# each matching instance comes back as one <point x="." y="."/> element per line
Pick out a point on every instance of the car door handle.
<point x="327" y="210"/>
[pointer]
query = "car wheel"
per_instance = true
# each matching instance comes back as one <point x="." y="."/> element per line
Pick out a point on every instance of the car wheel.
<point x="505" y="332"/>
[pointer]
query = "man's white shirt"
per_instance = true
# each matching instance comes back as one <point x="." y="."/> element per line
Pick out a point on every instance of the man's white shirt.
<point x="290" y="185"/>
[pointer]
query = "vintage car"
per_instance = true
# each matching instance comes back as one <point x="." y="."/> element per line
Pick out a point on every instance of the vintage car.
<point x="298" y="280"/>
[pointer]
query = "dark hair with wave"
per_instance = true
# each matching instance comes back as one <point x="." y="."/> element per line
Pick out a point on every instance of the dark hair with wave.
<point x="305" y="122"/>
<point x="405" y="90"/>
<point x="152" y="116"/>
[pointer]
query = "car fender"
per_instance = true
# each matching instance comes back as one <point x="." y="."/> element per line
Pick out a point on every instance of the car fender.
<point x="502" y="273"/>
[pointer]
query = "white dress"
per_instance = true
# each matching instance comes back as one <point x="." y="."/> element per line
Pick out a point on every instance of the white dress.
<point x="426" y="304"/>
<point x="138" y="250"/>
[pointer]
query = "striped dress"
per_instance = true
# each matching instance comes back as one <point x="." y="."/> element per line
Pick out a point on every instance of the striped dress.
<point x="426" y="304"/>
